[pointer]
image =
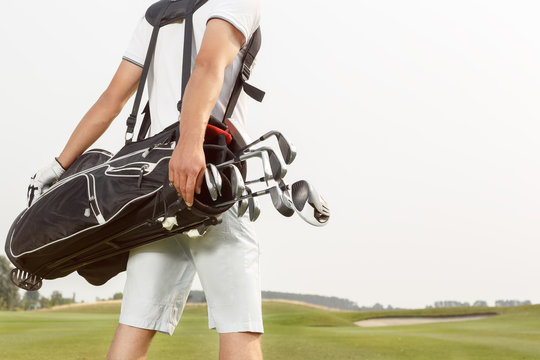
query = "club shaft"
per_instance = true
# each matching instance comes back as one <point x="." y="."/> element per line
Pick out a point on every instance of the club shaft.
<point x="261" y="138"/>
<point x="252" y="195"/>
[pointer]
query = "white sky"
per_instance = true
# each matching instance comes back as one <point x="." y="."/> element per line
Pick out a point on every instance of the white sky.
<point x="417" y="120"/>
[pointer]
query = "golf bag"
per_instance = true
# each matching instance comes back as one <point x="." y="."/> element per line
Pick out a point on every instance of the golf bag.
<point x="105" y="204"/>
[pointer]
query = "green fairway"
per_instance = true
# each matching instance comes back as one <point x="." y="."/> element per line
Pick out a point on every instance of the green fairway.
<point x="292" y="332"/>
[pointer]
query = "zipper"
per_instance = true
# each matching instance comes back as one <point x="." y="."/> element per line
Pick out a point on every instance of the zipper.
<point x="108" y="162"/>
<point x="92" y="200"/>
<point x="141" y="174"/>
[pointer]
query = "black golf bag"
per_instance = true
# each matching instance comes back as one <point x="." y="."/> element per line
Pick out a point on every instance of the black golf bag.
<point x="105" y="204"/>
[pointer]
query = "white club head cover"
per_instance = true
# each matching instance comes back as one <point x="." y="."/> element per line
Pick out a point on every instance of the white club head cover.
<point x="43" y="180"/>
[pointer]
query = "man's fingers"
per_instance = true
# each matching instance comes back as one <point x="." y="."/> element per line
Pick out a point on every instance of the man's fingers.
<point x="180" y="185"/>
<point x="200" y="178"/>
<point x="175" y="179"/>
<point x="189" y="190"/>
<point x="171" y="176"/>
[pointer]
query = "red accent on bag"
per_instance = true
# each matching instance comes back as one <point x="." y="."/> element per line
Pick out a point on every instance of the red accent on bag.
<point x="212" y="132"/>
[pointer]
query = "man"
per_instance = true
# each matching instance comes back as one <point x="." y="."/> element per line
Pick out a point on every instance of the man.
<point x="159" y="275"/>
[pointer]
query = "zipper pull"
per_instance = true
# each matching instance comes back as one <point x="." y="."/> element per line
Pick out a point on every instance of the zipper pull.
<point x="141" y="174"/>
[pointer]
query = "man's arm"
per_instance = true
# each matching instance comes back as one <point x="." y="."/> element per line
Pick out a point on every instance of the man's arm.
<point x="221" y="43"/>
<point x="102" y="113"/>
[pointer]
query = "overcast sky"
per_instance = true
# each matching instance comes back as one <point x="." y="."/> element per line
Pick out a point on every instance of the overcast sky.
<point x="417" y="120"/>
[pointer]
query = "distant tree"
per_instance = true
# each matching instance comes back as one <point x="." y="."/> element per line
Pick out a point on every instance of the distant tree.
<point x="56" y="298"/>
<point x="9" y="293"/>
<point x="117" y="296"/>
<point x="327" y="301"/>
<point x="449" y="303"/>
<point x="44" y="302"/>
<point x="196" y="296"/>
<point x="480" y="303"/>
<point x="508" y="303"/>
<point x="30" y="300"/>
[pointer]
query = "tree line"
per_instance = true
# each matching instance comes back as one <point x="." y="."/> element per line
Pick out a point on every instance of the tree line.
<point x="498" y="303"/>
<point x="326" y="301"/>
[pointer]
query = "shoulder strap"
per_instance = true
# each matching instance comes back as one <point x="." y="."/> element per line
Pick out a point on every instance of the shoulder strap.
<point x="186" y="64"/>
<point x="244" y="74"/>
<point x="132" y="119"/>
<point x="188" y="45"/>
<point x="164" y="18"/>
<point x="181" y="9"/>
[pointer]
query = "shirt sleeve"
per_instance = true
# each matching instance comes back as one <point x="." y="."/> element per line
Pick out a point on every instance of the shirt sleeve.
<point x="137" y="47"/>
<point x="244" y="15"/>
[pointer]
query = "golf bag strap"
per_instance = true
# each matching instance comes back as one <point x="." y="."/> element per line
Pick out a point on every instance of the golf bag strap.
<point x="132" y="119"/>
<point x="186" y="67"/>
<point x="145" y="125"/>
<point x="243" y="76"/>
<point x="188" y="48"/>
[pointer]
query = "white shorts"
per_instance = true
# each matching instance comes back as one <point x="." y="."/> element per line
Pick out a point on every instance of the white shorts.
<point x="226" y="258"/>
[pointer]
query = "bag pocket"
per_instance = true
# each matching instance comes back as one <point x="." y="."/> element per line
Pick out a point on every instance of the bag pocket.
<point x="60" y="213"/>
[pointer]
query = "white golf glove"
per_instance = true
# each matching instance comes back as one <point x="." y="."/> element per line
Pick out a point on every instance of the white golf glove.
<point x="43" y="180"/>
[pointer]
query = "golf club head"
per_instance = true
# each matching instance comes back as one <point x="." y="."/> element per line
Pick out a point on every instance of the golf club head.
<point x="237" y="182"/>
<point x="243" y="204"/>
<point x="242" y="207"/>
<point x="253" y="206"/>
<point x="278" y="166"/>
<point x="210" y="184"/>
<point x="281" y="202"/>
<point x="309" y="205"/>
<point x="288" y="150"/>
<point x="254" y="209"/>
<point x="216" y="177"/>
<point x="263" y="155"/>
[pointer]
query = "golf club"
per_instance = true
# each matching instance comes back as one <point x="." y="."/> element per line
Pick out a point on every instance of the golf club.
<point x="237" y="182"/>
<point x="302" y="194"/>
<point x="216" y="177"/>
<point x="279" y="169"/>
<point x="243" y="205"/>
<point x="263" y="155"/>
<point x="282" y="203"/>
<point x="210" y="184"/>
<point x="288" y="150"/>
<point x="253" y="206"/>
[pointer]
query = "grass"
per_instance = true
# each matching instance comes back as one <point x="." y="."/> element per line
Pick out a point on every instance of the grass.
<point x="292" y="332"/>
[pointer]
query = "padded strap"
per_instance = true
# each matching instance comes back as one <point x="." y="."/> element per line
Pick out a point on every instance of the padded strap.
<point x="132" y="119"/>
<point x="188" y="44"/>
<point x="243" y="76"/>
<point x="178" y="9"/>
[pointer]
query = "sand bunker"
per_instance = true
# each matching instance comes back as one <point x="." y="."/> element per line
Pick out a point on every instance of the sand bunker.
<point x="417" y="320"/>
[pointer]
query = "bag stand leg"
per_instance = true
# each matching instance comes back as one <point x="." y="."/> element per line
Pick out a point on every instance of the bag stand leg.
<point x="25" y="280"/>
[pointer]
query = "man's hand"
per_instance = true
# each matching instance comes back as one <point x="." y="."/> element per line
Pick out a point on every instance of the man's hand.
<point x="186" y="169"/>
<point x="220" y="45"/>
<point x="43" y="180"/>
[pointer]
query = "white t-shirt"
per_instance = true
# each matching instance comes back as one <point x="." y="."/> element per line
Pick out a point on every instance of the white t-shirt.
<point x="165" y="75"/>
